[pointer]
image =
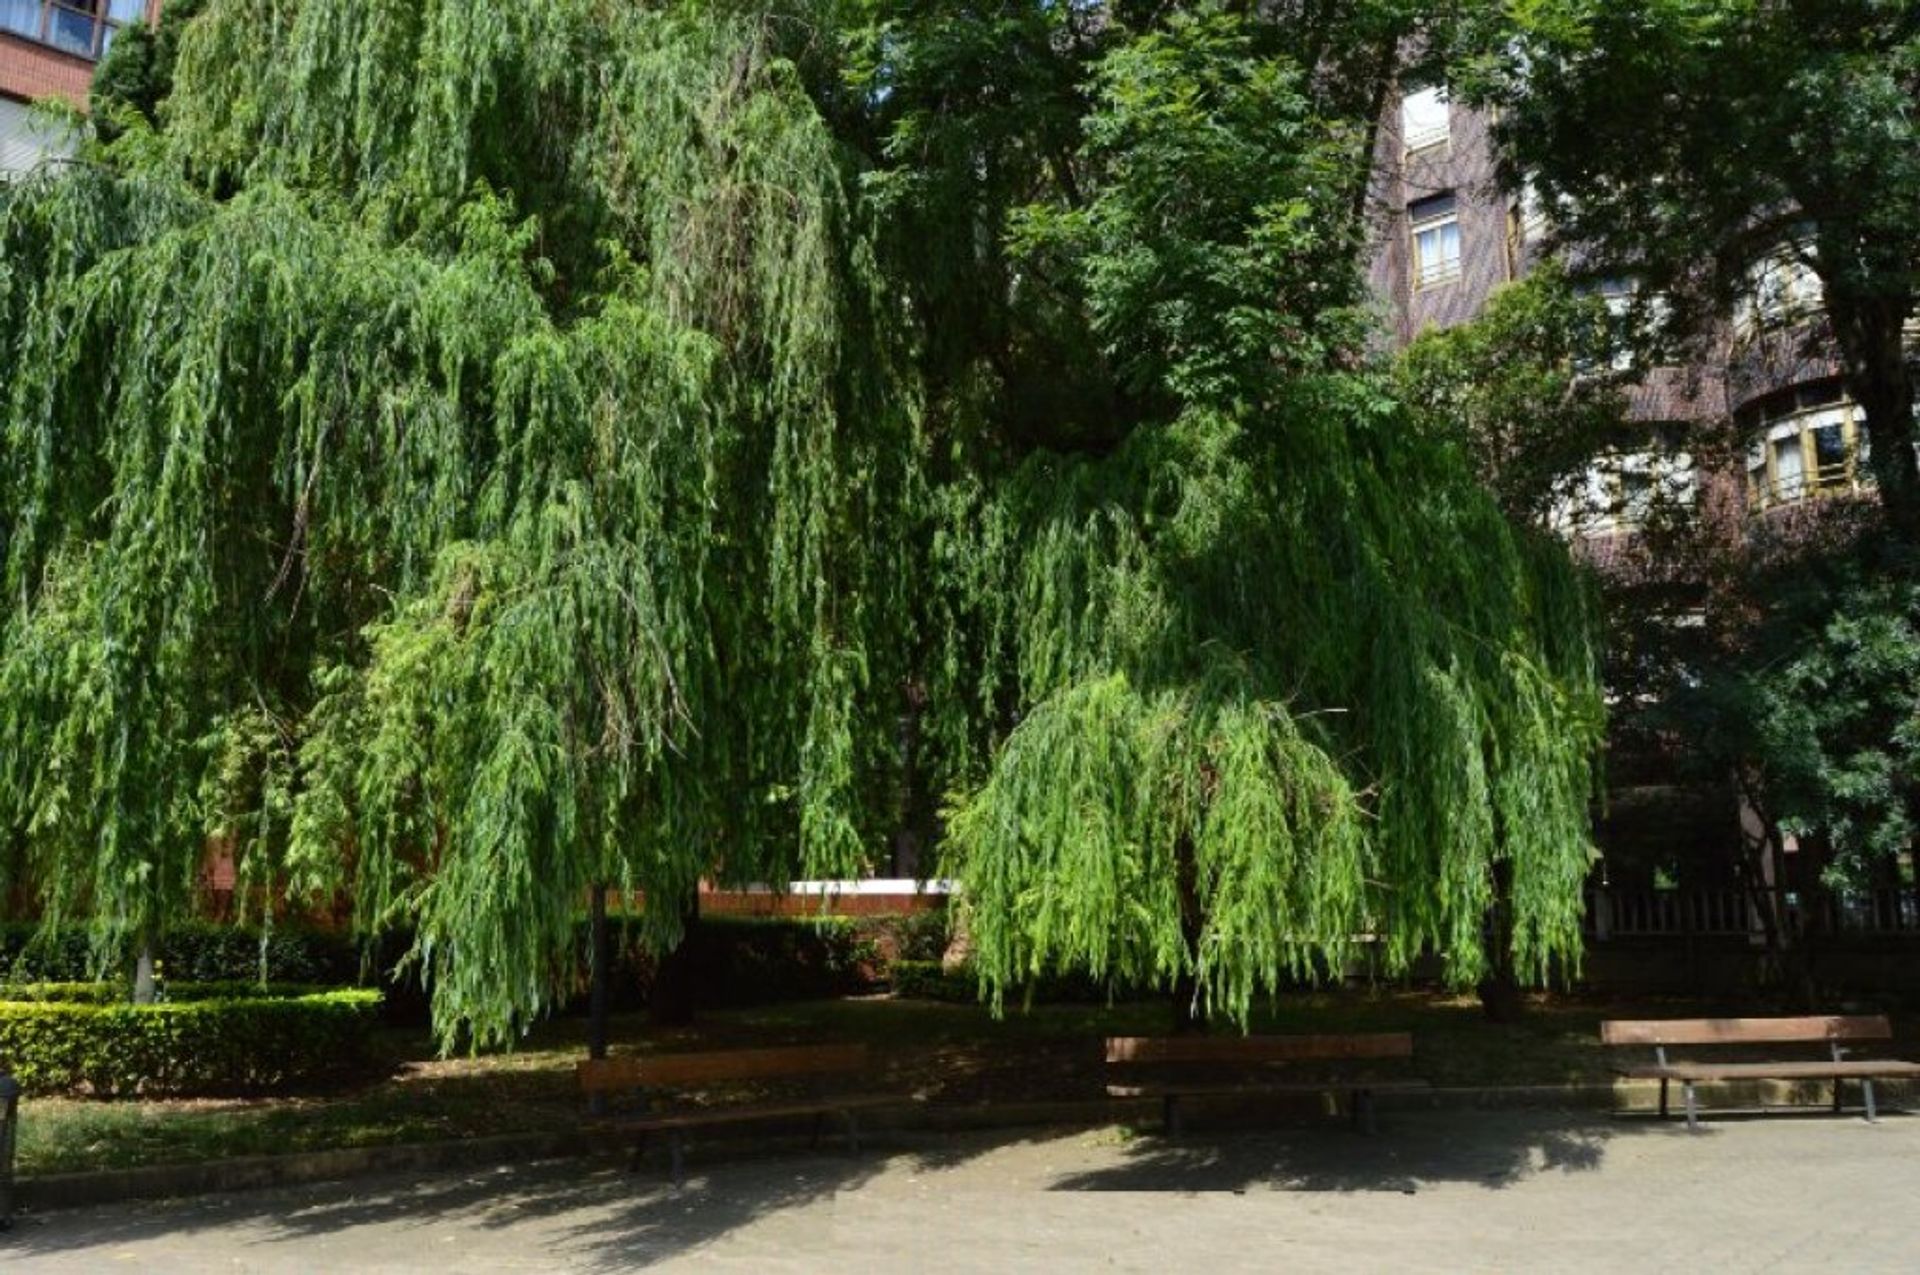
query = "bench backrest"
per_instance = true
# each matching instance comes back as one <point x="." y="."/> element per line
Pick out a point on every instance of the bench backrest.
<point x="1744" y="1031"/>
<point x="1256" y="1049"/>
<point x="610" y="1075"/>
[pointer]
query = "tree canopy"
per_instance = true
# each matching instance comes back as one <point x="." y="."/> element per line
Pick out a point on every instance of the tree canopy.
<point x="1686" y="143"/>
<point x="470" y="452"/>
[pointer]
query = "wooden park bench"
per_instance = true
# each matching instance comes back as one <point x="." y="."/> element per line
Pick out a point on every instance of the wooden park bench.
<point x="1172" y="1068"/>
<point x="1831" y="1031"/>
<point x="825" y="1073"/>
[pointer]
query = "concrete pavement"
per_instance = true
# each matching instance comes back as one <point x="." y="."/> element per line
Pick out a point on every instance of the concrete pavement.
<point x="1468" y="1191"/>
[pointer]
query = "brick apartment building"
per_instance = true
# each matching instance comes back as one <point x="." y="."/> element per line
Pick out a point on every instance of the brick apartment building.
<point x="48" y="49"/>
<point x="1756" y="443"/>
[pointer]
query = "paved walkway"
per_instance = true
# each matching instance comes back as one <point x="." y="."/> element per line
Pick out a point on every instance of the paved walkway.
<point x="1512" y="1191"/>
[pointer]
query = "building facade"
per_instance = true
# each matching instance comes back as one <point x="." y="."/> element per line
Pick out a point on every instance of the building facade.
<point x="1754" y="446"/>
<point x="48" y="49"/>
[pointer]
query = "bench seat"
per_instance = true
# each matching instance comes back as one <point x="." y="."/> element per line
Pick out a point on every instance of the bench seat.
<point x="739" y="1113"/>
<point x="1253" y="1056"/>
<point x="650" y="1077"/>
<point x="1829" y="1030"/>
<point x="1202" y="1089"/>
<point x="1848" y="1069"/>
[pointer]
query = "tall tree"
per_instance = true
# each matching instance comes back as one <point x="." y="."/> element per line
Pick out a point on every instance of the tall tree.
<point x="1685" y="142"/>
<point x="472" y="452"/>
<point x="453" y="461"/>
<point x="1238" y="664"/>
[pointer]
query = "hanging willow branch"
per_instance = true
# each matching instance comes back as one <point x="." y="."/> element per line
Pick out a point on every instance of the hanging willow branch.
<point x="467" y="385"/>
<point x="1278" y="675"/>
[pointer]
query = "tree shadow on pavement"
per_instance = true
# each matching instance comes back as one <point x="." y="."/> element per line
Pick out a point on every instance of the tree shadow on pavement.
<point x="593" y="1214"/>
<point x="1411" y="1150"/>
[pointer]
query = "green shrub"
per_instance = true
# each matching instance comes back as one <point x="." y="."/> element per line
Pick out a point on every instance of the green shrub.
<point x="928" y="981"/>
<point x="73" y="1041"/>
<point x="199" y="952"/>
<point x="913" y="936"/>
<point x="120" y="993"/>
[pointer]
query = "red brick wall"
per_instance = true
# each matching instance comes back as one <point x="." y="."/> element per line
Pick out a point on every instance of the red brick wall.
<point x="30" y="71"/>
<point x="728" y="903"/>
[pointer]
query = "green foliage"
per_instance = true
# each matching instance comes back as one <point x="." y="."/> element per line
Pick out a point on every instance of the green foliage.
<point x="1528" y="389"/>
<point x="478" y="484"/>
<point x="136" y="75"/>
<point x="257" y="1041"/>
<point x="1821" y="706"/>
<point x="1215" y="250"/>
<point x="1276" y="674"/>
<point x="470" y="452"/>
<point x="1680" y="142"/>
<point x="196" y="952"/>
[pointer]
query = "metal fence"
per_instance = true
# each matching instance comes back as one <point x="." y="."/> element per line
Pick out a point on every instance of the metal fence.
<point x="1675" y="913"/>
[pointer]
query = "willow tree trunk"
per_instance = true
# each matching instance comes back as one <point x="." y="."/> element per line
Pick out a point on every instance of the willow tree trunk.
<point x="1500" y="997"/>
<point x="1187" y="1019"/>
<point x="600" y="958"/>
<point x="675" y="981"/>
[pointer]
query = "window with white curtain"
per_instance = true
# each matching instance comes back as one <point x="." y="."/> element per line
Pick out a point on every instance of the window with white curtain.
<point x="1436" y="240"/>
<point x="1426" y="119"/>
<point x="1809" y="442"/>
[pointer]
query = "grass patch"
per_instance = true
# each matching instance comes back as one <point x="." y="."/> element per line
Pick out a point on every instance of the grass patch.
<point x="950" y="1053"/>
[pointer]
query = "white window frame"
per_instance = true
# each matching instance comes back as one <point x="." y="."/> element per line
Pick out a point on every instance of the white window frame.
<point x="1435" y="223"/>
<point x="1426" y="119"/>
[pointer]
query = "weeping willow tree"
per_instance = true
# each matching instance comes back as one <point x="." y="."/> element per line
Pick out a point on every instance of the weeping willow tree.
<point x="452" y="462"/>
<point x="1241" y="667"/>
<point x="458" y="454"/>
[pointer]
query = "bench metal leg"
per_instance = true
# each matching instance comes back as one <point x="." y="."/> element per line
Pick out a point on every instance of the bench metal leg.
<point x="1170" y="1115"/>
<point x="1693" y="1110"/>
<point x="1363" y="1107"/>
<point x="1663" y="1098"/>
<point x="1866" y="1088"/>
<point x="676" y="1148"/>
<point x="819" y="1124"/>
<point x="639" y="1153"/>
<point x="853" y="1131"/>
<point x="1836" y="1095"/>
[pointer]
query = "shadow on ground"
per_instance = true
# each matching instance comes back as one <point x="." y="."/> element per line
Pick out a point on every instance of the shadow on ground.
<point x="596" y="1215"/>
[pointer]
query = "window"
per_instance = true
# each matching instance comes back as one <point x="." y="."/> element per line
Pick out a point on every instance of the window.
<point x="82" y="27"/>
<point x="1425" y="119"/>
<point x="1782" y="290"/>
<point x="26" y="138"/>
<point x="1810" y="442"/>
<point x="1622" y="492"/>
<point x="1436" y="240"/>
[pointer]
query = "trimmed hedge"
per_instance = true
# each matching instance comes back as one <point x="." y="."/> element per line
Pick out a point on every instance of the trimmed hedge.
<point x="75" y="1041"/>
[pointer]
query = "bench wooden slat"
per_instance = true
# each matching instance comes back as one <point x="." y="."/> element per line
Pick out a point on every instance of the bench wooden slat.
<point x="1850" y="1069"/>
<point x="608" y="1075"/>
<point x="693" y="1119"/>
<point x="1256" y="1049"/>
<point x="1744" y="1031"/>
<point x="1203" y="1090"/>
